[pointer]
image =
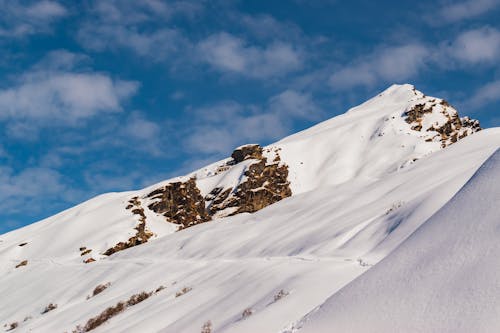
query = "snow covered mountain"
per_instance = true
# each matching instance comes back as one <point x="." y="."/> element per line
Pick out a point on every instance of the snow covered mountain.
<point x="259" y="241"/>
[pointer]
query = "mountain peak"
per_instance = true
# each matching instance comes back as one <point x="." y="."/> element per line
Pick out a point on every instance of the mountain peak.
<point x="399" y="88"/>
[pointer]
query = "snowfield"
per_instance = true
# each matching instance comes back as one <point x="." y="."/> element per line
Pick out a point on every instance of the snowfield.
<point x="443" y="278"/>
<point x="386" y="231"/>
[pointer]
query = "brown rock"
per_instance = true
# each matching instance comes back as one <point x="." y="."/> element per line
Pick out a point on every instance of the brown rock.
<point x="246" y="152"/>
<point x="22" y="263"/>
<point x="180" y="203"/>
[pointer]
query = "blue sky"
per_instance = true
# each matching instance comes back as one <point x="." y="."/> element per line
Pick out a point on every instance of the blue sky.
<point x="99" y="96"/>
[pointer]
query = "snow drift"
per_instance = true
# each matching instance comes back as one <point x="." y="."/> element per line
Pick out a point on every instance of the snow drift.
<point x="442" y="278"/>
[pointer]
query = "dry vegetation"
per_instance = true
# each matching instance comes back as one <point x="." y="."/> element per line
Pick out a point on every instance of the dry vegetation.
<point x="99" y="289"/>
<point x="49" y="308"/>
<point x="160" y="288"/>
<point x="112" y="311"/>
<point x="207" y="327"/>
<point x="138" y="298"/>
<point x="280" y="295"/>
<point x="183" y="291"/>
<point x="13" y="326"/>
<point x="101" y="318"/>
<point x="246" y="313"/>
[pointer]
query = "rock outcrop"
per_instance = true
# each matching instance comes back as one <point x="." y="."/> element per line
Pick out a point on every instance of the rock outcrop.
<point x="142" y="233"/>
<point x="439" y="121"/>
<point x="262" y="183"/>
<point x="180" y="202"/>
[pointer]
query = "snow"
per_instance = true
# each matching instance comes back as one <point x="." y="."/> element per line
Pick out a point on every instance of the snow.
<point x="358" y="197"/>
<point x="443" y="278"/>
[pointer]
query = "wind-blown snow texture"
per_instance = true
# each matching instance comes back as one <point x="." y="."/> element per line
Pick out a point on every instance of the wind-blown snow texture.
<point x="443" y="278"/>
<point x="363" y="184"/>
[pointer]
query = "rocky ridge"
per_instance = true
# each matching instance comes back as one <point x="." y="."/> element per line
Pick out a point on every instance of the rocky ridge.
<point x="438" y="121"/>
<point x="258" y="177"/>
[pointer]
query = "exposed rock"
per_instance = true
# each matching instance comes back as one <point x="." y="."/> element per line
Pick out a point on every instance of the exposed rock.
<point x="142" y="233"/>
<point x="439" y="121"/>
<point x="246" y="152"/>
<point x="263" y="185"/>
<point x="22" y="263"/>
<point x="180" y="202"/>
<point x="88" y="261"/>
<point x="84" y="252"/>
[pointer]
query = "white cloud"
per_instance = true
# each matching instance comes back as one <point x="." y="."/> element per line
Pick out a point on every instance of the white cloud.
<point x="141" y="128"/>
<point x="476" y="46"/>
<point x="228" y="53"/>
<point x="458" y="11"/>
<point x="387" y="64"/>
<point x="19" y="19"/>
<point x="63" y="96"/>
<point x="221" y="127"/>
<point x="53" y="93"/>
<point x="156" y="45"/>
<point x="139" y="26"/>
<point x="46" y="10"/>
<point x="485" y="95"/>
<point x="266" y="27"/>
<point x="25" y="188"/>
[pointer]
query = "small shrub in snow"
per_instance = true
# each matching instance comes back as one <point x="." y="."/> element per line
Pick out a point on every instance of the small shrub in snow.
<point x="394" y="207"/>
<point x="246" y="313"/>
<point x="13" y="326"/>
<point x="207" y="327"/>
<point x="112" y="311"/>
<point x="49" y="308"/>
<point x="280" y="295"/>
<point x="183" y="291"/>
<point x="138" y="298"/>
<point x="103" y="317"/>
<point x="160" y="288"/>
<point x="99" y="289"/>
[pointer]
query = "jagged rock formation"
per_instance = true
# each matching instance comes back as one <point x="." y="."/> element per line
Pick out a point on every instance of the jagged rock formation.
<point x="439" y="121"/>
<point x="265" y="184"/>
<point x="142" y="233"/>
<point x="180" y="202"/>
<point x="262" y="184"/>
<point x="246" y="152"/>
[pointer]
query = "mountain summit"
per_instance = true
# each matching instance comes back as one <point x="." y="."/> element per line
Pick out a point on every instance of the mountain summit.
<point x="256" y="241"/>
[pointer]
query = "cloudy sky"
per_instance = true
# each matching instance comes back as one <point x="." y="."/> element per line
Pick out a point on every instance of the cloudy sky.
<point x="106" y="95"/>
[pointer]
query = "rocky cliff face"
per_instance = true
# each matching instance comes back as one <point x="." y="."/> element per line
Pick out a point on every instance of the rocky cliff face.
<point x="261" y="184"/>
<point x="180" y="202"/>
<point x="439" y="121"/>
<point x="264" y="183"/>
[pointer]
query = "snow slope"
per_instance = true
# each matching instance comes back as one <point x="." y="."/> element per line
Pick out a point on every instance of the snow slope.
<point x="362" y="183"/>
<point x="443" y="278"/>
<point x="363" y="145"/>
